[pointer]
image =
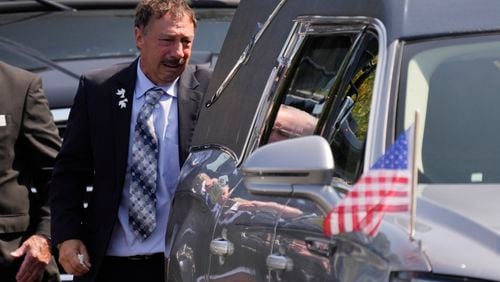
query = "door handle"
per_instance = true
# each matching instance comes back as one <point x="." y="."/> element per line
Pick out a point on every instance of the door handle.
<point x="320" y="246"/>
<point x="277" y="262"/>
<point x="221" y="247"/>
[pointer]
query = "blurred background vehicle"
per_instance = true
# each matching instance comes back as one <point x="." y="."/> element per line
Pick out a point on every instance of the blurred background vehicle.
<point x="62" y="39"/>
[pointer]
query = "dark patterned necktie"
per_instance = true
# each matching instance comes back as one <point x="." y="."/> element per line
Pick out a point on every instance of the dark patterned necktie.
<point x="142" y="207"/>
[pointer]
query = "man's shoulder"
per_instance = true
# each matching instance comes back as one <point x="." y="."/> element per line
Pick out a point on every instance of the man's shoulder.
<point x="202" y="72"/>
<point x="15" y="73"/>
<point x="201" y="69"/>
<point x="104" y="74"/>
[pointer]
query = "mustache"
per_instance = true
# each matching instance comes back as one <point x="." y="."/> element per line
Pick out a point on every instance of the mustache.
<point x="174" y="62"/>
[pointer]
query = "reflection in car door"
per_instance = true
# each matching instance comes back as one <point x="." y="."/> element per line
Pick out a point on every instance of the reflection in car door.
<point x="243" y="234"/>
<point x="300" y="238"/>
<point x="304" y="99"/>
<point x="246" y="227"/>
<point x="202" y="190"/>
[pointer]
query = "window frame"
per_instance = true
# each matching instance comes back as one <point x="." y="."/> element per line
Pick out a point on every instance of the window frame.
<point x="278" y="80"/>
<point x="302" y="27"/>
<point x="335" y="109"/>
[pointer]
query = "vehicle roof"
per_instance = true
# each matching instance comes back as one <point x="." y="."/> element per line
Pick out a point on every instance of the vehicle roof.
<point x="34" y="5"/>
<point x="228" y="120"/>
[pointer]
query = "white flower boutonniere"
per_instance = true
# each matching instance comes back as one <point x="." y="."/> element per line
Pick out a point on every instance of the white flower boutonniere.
<point x="123" y="101"/>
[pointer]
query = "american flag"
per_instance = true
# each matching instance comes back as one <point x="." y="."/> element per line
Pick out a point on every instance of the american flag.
<point x="384" y="188"/>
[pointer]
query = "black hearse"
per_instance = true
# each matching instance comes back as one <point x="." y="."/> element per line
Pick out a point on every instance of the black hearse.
<point x="352" y="73"/>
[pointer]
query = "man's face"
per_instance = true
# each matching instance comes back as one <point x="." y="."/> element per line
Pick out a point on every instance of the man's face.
<point x="165" y="47"/>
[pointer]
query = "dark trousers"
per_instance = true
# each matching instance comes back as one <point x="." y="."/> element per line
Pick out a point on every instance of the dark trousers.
<point x="133" y="269"/>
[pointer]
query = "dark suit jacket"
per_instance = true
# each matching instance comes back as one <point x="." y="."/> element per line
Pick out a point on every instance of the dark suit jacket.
<point x="95" y="147"/>
<point x="29" y="142"/>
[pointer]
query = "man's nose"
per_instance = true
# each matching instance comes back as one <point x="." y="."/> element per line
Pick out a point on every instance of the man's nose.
<point x="178" y="50"/>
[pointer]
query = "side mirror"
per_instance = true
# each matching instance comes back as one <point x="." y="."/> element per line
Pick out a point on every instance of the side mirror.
<point x="300" y="168"/>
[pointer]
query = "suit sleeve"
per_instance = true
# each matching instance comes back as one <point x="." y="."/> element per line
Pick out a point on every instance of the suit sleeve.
<point x="42" y="142"/>
<point x="73" y="171"/>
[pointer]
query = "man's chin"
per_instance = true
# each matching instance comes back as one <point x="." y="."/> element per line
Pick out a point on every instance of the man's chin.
<point x="169" y="78"/>
<point x="168" y="74"/>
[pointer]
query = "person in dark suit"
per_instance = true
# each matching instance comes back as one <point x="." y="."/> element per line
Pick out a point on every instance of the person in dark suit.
<point x="129" y="132"/>
<point x="29" y="142"/>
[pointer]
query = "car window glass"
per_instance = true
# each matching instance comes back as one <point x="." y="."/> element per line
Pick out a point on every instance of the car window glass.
<point x="347" y="126"/>
<point x="313" y="76"/>
<point x="9" y="56"/>
<point x="302" y="98"/>
<point x="77" y="35"/>
<point x="211" y="30"/>
<point x="454" y="83"/>
<point x="102" y="34"/>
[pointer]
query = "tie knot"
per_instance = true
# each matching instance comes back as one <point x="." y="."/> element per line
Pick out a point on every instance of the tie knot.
<point x="153" y="95"/>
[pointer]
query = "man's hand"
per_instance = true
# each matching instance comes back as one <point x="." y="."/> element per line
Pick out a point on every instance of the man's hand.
<point x="36" y="252"/>
<point x="73" y="257"/>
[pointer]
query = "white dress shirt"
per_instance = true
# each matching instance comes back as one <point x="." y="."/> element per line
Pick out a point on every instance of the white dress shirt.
<point x="165" y="117"/>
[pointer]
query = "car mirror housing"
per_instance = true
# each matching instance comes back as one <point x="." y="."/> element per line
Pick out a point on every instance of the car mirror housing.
<point x="300" y="168"/>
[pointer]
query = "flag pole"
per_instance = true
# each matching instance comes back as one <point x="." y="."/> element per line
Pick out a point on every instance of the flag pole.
<point x="414" y="178"/>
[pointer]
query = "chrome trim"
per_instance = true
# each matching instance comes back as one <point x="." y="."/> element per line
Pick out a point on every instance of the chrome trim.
<point x="245" y="56"/>
<point x="221" y="247"/>
<point x="56" y="5"/>
<point x="377" y="124"/>
<point x="337" y="19"/>
<point x="217" y="147"/>
<point x="278" y="262"/>
<point x="289" y="50"/>
<point x="303" y="26"/>
<point x="60" y="115"/>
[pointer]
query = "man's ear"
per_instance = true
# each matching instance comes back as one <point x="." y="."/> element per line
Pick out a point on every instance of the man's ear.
<point x="139" y="37"/>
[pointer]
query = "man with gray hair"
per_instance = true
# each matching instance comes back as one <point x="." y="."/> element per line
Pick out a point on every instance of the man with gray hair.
<point x="128" y="132"/>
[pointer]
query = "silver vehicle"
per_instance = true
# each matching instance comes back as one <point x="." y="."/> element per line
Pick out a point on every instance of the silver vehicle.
<point x="352" y="73"/>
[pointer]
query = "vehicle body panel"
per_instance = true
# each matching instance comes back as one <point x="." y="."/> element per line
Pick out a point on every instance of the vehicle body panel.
<point x="402" y="20"/>
<point x="399" y="44"/>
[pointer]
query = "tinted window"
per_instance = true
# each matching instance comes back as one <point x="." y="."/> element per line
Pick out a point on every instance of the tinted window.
<point x="100" y="34"/>
<point x="211" y="30"/>
<point x="9" y="55"/>
<point x="347" y="125"/>
<point x="455" y="83"/>
<point x="312" y="78"/>
<point x="319" y="99"/>
<point x="84" y="34"/>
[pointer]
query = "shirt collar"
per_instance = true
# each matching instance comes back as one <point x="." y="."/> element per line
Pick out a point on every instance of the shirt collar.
<point x="143" y="84"/>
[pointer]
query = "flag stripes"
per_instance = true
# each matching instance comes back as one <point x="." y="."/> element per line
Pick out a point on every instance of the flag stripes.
<point x="384" y="188"/>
